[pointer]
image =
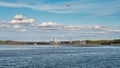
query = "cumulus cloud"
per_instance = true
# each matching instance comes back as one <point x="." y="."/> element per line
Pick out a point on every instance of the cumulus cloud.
<point x="49" y="24"/>
<point x="71" y="27"/>
<point x="90" y="29"/>
<point x="16" y="26"/>
<point x="18" y="21"/>
<point x="21" y="19"/>
<point x="20" y="30"/>
<point x="96" y="27"/>
<point x="4" y="25"/>
<point x="23" y="30"/>
<point x="56" y="26"/>
<point x="113" y="30"/>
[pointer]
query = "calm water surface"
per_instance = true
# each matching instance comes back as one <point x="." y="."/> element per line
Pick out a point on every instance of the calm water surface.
<point x="45" y="56"/>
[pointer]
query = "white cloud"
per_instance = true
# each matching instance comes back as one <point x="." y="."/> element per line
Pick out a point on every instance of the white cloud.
<point x="71" y="27"/>
<point x="114" y="30"/>
<point x="90" y="29"/>
<point x="49" y="24"/>
<point x="16" y="26"/>
<point x="23" y="30"/>
<point x="51" y="27"/>
<point x="14" y="5"/>
<point x="21" y="19"/>
<point x="96" y="27"/>
<point x="91" y="32"/>
<point x="4" y="25"/>
<point x="20" y="30"/>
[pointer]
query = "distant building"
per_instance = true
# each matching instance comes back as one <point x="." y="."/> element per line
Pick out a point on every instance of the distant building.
<point x="79" y="42"/>
<point x="55" y="42"/>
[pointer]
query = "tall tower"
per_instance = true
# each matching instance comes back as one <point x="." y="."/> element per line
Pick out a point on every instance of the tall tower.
<point x="54" y="42"/>
<point x="70" y="41"/>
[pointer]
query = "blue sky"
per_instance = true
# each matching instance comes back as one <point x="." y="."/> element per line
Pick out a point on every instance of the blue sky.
<point x="94" y="14"/>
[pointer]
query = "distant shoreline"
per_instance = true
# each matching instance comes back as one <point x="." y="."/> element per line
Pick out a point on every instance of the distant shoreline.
<point x="67" y="43"/>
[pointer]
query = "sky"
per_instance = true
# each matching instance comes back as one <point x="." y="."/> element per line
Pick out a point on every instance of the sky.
<point x="40" y="20"/>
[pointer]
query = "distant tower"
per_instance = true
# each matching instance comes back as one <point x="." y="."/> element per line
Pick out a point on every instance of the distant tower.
<point x="54" y="42"/>
<point x="70" y="42"/>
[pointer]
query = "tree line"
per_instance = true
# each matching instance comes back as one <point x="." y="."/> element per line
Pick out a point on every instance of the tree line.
<point x="115" y="41"/>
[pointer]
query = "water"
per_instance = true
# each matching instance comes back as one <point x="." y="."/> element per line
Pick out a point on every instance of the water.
<point x="45" y="56"/>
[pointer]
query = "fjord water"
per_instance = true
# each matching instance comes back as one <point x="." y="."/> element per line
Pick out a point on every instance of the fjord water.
<point x="46" y="56"/>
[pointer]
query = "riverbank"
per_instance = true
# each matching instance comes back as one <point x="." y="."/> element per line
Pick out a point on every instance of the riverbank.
<point x="69" y="43"/>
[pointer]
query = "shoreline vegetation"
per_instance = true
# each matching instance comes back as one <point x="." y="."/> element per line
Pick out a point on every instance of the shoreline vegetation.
<point x="73" y="42"/>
